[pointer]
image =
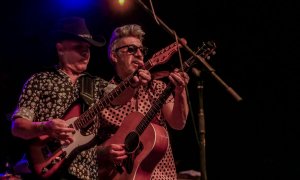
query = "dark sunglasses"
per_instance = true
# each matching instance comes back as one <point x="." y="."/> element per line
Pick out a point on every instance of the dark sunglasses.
<point x="132" y="49"/>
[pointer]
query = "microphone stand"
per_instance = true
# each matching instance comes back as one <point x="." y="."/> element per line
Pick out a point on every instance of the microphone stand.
<point x="201" y="142"/>
<point x="186" y="47"/>
<point x="202" y="130"/>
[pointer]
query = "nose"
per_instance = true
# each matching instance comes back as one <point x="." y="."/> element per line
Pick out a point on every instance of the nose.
<point x="139" y="53"/>
<point x="139" y="58"/>
<point x="85" y="53"/>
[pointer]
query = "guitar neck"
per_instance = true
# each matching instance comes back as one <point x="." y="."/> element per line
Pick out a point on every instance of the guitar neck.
<point x="86" y="118"/>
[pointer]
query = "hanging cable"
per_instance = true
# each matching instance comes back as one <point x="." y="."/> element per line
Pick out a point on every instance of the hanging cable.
<point x="153" y="12"/>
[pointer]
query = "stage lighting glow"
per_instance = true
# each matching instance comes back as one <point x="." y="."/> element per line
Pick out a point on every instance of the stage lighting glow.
<point x="121" y="2"/>
<point x="75" y="3"/>
<point x="121" y="5"/>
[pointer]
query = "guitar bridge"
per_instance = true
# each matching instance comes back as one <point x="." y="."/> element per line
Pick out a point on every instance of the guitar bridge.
<point x="53" y="162"/>
<point x="129" y="161"/>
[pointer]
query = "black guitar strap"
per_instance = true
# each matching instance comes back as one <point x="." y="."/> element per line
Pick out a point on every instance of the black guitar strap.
<point x="87" y="89"/>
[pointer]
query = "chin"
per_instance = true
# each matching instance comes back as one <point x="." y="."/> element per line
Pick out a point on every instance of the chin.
<point x="82" y="68"/>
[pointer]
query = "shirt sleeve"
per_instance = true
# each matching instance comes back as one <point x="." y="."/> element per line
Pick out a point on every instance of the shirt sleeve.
<point x="28" y="100"/>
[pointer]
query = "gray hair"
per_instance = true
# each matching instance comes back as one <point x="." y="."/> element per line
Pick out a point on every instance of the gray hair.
<point x="129" y="30"/>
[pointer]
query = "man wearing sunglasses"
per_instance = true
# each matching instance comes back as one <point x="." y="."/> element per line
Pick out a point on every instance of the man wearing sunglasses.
<point x="126" y="53"/>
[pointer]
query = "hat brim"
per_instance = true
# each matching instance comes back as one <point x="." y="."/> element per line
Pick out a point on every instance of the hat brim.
<point x="61" y="35"/>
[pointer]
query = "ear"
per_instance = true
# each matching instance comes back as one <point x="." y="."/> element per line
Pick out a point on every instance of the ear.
<point x="113" y="57"/>
<point x="59" y="48"/>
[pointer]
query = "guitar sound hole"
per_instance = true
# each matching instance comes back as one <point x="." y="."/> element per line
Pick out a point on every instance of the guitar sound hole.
<point x="131" y="142"/>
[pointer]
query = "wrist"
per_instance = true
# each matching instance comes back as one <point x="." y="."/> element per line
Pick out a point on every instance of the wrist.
<point x="41" y="127"/>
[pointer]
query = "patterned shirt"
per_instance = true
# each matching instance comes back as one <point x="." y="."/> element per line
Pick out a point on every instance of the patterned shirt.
<point x="50" y="94"/>
<point x="112" y="117"/>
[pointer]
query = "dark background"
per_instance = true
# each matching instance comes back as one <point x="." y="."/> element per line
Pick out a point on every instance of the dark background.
<point x="257" y="53"/>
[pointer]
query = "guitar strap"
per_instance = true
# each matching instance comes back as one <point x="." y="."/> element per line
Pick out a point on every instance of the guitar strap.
<point x="86" y="83"/>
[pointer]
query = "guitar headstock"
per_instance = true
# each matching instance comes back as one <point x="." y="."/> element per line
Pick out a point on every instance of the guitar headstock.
<point x="165" y="54"/>
<point x="207" y="49"/>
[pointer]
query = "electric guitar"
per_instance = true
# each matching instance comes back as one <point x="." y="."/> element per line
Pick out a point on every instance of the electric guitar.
<point x="47" y="155"/>
<point x="145" y="143"/>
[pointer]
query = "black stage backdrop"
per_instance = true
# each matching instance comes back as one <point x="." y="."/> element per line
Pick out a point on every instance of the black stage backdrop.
<point x="257" y="53"/>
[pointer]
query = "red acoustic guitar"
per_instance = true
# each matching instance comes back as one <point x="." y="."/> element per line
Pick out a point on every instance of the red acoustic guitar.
<point x="47" y="156"/>
<point x="145" y="142"/>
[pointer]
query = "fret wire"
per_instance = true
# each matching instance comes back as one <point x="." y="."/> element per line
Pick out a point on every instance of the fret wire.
<point x="88" y="116"/>
<point x="76" y="123"/>
<point x="84" y="120"/>
<point x="79" y="123"/>
<point x="154" y="109"/>
<point x="100" y="107"/>
<point x="118" y="91"/>
<point x="93" y="112"/>
<point x="111" y="97"/>
<point x="140" y="128"/>
<point x="106" y="100"/>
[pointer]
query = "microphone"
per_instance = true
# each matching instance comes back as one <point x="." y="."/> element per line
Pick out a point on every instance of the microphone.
<point x="196" y="72"/>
